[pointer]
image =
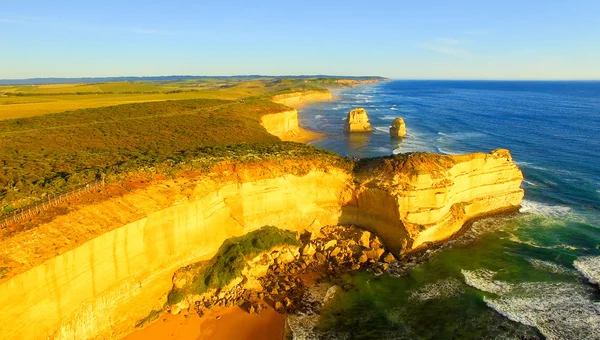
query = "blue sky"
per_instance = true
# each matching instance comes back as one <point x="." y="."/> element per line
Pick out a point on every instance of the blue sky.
<point x="526" y="39"/>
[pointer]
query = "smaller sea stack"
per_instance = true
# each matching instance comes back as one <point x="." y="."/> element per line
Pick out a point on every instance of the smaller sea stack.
<point x="357" y="121"/>
<point x="398" y="128"/>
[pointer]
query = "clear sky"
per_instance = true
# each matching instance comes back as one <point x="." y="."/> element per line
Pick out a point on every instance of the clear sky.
<point x="525" y="39"/>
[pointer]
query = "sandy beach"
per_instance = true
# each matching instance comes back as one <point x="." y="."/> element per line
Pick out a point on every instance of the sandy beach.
<point x="216" y="324"/>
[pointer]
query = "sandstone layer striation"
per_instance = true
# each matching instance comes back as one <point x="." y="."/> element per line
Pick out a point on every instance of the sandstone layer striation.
<point x="129" y="246"/>
<point x="414" y="199"/>
<point x="298" y="99"/>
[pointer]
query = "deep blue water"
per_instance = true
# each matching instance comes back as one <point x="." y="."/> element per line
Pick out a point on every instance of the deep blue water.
<point x="523" y="276"/>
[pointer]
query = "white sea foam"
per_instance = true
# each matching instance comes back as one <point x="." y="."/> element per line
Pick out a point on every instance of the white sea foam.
<point x="302" y="326"/>
<point x="482" y="279"/>
<point x="529" y="183"/>
<point x="441" y="289"/>
<point x="550" y="267"/>
<point x="383" y="149"/>
<point x="545" y="210"/>
<point x="516" y="239"/>
<point x="460" y="135"/>
<point x="382" y="129"/>
<point x="393" y="108"/>
<point x="388" y="117"/>
<point x="318" y="116"/>
<point x="559" y="310"/>
<point x="589" y="266"/>
<point x="445" y="151"/>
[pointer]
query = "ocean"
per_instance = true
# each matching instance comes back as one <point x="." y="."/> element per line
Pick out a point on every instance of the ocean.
<point x="525" y="276"/>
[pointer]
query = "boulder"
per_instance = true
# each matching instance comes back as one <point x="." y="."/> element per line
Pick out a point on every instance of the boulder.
<point x="389" y="258"/>
<point x="398" y="128"/>
<point x="374" y="254"/>
<point x="364" y="239"/>
<point x="376" y="243"/>
<point x="357" y="121"/>
<point x="330" y="244"/>
<point x="309" y="250"/>
<point x="335" y="252"/>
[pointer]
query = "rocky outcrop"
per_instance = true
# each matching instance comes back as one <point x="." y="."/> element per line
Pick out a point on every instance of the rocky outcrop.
<point x="414" y="199"/>
<point x="357" y="121"/>
<point x="278" y="277"/>
<point x="118" y="273"/>
<point x="298" y="99"/>
<point x="398" y="128"/>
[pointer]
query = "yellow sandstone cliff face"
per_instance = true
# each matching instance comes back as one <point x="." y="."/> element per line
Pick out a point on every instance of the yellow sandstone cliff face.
<point x="283" y="124"/>
<point x="297" y="99"/>
<point x="357" y="121"/>
<point x="411" y="200"/>
<point x="101" y="288"/>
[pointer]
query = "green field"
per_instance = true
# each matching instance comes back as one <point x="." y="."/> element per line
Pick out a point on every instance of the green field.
<point x="177" y="126"/>
<point x="34" y="100"/>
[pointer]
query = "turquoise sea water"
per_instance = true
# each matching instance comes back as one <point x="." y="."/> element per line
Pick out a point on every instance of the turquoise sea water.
<point x="528" y="276"/>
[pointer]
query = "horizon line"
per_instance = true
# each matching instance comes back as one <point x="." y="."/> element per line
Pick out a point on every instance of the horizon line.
<point x="6" y="80"/>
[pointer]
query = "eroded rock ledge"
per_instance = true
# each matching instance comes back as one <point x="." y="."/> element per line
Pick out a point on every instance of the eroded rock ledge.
<point x="102" y="287"/>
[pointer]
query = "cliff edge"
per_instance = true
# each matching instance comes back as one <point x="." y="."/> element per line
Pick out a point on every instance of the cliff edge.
<point x="418" y="198"/>
<point x="113" y="260"/>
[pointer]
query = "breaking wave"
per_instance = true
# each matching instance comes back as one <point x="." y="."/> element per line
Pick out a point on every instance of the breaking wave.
<point x="545" y="210"/>
<point x="550" y="267"/>
<point x="559" y="310"/>
<point x="441" y="289"/>
<point x="589" y="267"/>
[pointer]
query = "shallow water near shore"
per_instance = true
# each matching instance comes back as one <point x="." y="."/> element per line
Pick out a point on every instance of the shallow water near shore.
<point x="529" y="275"/>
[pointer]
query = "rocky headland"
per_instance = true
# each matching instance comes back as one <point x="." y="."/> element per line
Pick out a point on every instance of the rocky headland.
<point x="357" y="121"/>
<point x="100" y="268"/>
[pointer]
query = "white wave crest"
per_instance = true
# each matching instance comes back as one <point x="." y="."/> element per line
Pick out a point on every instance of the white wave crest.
<point x="318" y="116"/>
<point x="482" y="279"/>
<point x="382" y="129"/>
<point x="589" y="266"/>
<point x="545" y="210"/>
<point x="529" y="183"/>
<point x="559" y="310"/>
<point x="441" y="289"/>
<point x="550" y="267"/>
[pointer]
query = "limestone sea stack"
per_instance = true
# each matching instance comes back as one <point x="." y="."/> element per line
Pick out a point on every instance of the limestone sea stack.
<point x="398" y="128"/>
<point x="357" y="121"/>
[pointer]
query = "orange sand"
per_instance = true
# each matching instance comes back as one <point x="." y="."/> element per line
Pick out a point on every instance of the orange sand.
<point x="234" y="323"/>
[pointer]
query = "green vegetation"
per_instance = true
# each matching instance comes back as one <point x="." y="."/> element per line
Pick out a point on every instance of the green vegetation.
<point x="231" y="259"/>
<point x="53" y="153"/>
<point x="50" y="154"/>
<point x="153" y="315"/>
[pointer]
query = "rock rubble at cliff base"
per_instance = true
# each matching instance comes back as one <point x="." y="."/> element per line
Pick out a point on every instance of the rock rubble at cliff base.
<point x="281" y="277"/>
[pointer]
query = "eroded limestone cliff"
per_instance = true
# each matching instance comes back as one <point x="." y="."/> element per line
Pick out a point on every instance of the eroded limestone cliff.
<point x="283" y="124"/>
<point x="413" y="199"/>
<point x="297" y="99"/>
<point x="128" y="247"/>
<point x="101" y="287"/>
